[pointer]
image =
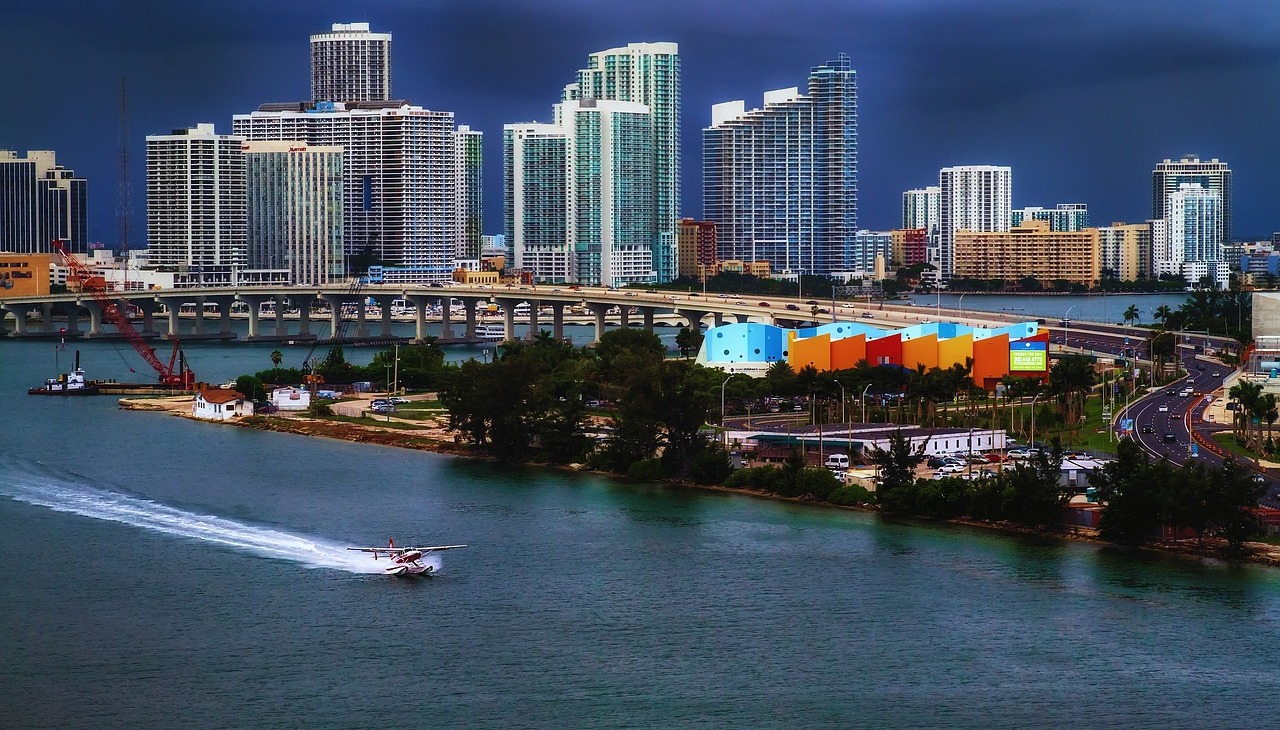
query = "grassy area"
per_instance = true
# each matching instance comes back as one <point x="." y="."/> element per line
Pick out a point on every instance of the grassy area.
<point x="379" y="421"/>
<point x="421" y="405"/>
<point x="1228" y="442"/>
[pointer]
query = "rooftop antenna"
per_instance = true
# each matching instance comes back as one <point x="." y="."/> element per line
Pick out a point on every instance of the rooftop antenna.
<point x="124" y="207"/>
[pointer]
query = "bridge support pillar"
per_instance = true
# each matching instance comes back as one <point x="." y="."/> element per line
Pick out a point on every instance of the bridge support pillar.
<point x="557" y="321"/>
<point x="599" y="310"/>
<point x="694" y="316"/>
<point x="304" y="316"/>
<point x="384" y="306"/>
<point x="254" y="302"/>
<point x="624" y="316"/>
<point x="148" y="308"/>
<point x="19" y="313"/>
<point x="646" y="313"/>
<point x="281" y="303"/>
<point x="198" y="328"/>
<point x="95" y="319"/>
<point x="469" y="309"/>
<point x="742" y="317"/>
<point x="224" y="312"/>
<point x="172" y="304"/>
<point x="46" y="317"/>
<point x="419" y="304"/>
<point x="446" y="315"/>
<point x="533" y="320"/>
<point x="362" y="330"/>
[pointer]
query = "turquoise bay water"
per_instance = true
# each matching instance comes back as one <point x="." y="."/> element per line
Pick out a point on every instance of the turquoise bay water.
<point x="164" y="573"/>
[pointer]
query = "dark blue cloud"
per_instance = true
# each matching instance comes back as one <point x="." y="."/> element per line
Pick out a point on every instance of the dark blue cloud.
<point x="1081" y="98"/>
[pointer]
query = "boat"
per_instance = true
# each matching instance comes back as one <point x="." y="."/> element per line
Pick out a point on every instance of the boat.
<point x="72" y="383"/>
<point x="491" y="332"/>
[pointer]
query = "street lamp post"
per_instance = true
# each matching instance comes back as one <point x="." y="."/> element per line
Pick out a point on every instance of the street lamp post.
<point x="1066" y="327"/>
<point x="863" y="400"/>
<point x="724" y="434"/>
<point x="844" y="414"/>
<point x="960" y="305"/>
<point x="1032" y="445"/>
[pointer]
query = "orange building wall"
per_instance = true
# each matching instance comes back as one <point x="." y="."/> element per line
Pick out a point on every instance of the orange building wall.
<point x="847" y="352"/>
<point x="990" y="360"/>
<point x="815" y="351"/>
<point x="24" y="274"/>
<point x="955" y="350"/>
<point x="921" y="350"/>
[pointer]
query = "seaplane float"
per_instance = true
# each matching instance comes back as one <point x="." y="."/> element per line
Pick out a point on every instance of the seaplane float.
<point x="406" y="561"/>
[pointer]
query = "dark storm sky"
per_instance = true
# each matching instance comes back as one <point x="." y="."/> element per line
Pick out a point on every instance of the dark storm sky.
<point x="1080" y="97"/>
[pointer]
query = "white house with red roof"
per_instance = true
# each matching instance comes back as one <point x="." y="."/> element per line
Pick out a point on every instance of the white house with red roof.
<point x="221" y="405"/>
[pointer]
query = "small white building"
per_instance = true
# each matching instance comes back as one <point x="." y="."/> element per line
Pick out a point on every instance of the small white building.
<point x="290" y="398"/>
<point x="221" y="405"/>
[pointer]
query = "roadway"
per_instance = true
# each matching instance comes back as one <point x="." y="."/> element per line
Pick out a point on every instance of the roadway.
<point x="1164" y="421"/>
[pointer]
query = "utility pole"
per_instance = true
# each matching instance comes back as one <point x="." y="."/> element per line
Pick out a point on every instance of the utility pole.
<point x="395" y="381"/>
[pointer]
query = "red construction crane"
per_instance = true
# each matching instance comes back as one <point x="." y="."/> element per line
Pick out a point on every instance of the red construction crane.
<point x="97" y="287"/>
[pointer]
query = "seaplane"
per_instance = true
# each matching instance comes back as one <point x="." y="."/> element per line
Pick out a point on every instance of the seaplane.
<point x="406" y="561"/>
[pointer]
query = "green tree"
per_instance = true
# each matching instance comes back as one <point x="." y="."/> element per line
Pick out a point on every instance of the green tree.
<point x="1132" y="314"/>
<point x="688" y="341"/>
<point x="277" y="357"/>
<point x="895" y="468"/>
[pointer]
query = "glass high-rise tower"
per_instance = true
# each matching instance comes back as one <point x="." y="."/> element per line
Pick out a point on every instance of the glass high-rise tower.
<point x="781" y="182"/>
<point x="351" y="63"/>
<point x="1213" y="175"/>
<point x="648" y="74"/>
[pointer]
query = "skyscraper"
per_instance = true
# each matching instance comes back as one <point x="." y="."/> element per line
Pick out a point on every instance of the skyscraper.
<point x="400" y="175"/>
<point x="535" y="214"/>
<point x="648" y="74"/>
<point x="196" y="204"/>
<point x="1169" y="176"/>
<point x="294" y="210"/>
<point x="971" y="198"/>
<point x="580" y="194"/>
<point x="920" y="209"/>
<point x="1194" y="222"/>
<point x="40" y="201"/>
<point x="470" y="187"/>
<point x="351" y="63"/>
<point x="781" y="182"/>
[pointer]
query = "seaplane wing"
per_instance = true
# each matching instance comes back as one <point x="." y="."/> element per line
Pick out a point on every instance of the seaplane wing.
<point x="438" y="548"/>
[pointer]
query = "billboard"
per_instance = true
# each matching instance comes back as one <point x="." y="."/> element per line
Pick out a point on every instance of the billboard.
<point x="1028" y="356"/>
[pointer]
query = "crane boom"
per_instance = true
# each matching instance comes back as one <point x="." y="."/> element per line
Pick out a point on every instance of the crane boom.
<point x="98" y="290"/>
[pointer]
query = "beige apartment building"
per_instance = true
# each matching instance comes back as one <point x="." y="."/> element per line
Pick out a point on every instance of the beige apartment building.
<point x="1030" y="249"/>
<point x="1124" y="251"/>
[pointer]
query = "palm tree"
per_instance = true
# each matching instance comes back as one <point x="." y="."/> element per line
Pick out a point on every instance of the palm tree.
<point x="1162" y="313"/>
<point x="1131" y="314"/>
<point x="277" y="357"/>
<point x="1246" y="395"/>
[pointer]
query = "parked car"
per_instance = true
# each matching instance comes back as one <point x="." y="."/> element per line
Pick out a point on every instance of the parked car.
<point x="951" y="469"/>
<point x="395" y="399"/>
<point x="936" y="462"/>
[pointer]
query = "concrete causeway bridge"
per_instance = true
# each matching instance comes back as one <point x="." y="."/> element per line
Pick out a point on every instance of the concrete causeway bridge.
<point x="196" y="314"/>
<point x="163" y="313"/>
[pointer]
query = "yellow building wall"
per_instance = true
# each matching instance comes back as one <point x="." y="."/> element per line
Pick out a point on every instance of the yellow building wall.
<point x="921" y="350"/>
<point x="815" y="351"/>
<point x="847" y="352"/>
<point x="954" y="350"/>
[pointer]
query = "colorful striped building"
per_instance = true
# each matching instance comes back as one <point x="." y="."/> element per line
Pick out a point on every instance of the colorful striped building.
<point x="750" y="347"/>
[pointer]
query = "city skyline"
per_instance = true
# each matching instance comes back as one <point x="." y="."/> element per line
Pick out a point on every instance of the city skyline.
<point x="1081" y="99"/>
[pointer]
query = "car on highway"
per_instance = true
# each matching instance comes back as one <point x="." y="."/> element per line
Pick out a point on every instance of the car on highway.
<point x="764" y="304"/>
<point x="1175" y="416"/>
<point x="793" y="307"/>
<point x="1216" y="375"/>
<point x="1169" y="438"/>
<point x="1148" y="429"/>
<point x="1171" y="392"/>
<point x="1163" y="409"/>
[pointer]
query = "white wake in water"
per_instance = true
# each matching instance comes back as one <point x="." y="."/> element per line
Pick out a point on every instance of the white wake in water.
<point x="102" y="504"/>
